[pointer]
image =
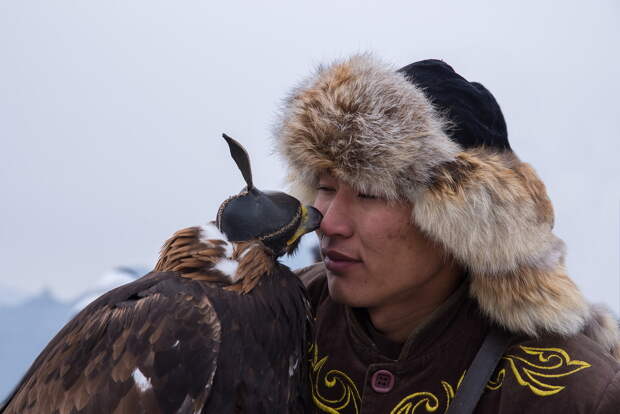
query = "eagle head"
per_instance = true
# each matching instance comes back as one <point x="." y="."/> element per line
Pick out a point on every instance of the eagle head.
<point x="276" y="219"/>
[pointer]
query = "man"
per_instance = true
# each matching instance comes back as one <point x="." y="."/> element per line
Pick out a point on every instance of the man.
<point x="436" y="241"/>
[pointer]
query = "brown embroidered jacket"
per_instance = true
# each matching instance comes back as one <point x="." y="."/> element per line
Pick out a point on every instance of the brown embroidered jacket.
<point x="551" y="374"/>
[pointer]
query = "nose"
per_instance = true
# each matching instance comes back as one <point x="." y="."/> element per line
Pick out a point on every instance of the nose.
<point x="337" y="220"/>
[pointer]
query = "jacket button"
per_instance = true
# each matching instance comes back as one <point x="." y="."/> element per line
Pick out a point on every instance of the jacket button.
<point x="382" y="381"/>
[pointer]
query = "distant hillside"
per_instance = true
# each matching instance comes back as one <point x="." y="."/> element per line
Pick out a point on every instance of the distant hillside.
<point x="28" y="326"/>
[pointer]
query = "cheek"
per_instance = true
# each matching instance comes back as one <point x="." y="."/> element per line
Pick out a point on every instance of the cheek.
<point x="319" y="206"/>
<point x="321" y="202"/>
<point x="404" y="250"/>
<point x="421" y="255"/>
<point x="383" y="236"/>
<point x="401" y="233"/>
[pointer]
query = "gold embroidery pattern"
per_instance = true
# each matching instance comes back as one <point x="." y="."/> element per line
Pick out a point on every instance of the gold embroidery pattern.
<point x="419" y="399"/>
<point x="349" y="395"/>
<point x="533" y="370"/>
<point x="549" y="363"/>
<point x="496" y="384"/>
<point x="427" y="400"/>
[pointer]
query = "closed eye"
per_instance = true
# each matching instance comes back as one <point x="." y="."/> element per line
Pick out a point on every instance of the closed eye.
<point x="324" y="188"/>
<point x="367" y="196"/>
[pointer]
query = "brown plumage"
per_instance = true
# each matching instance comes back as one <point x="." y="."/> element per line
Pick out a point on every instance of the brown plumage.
<point x="195" y="259"/>
<point x="217" y="327"/>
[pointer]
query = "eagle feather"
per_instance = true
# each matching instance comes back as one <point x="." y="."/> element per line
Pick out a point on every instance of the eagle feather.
<point x="185" y="338"/>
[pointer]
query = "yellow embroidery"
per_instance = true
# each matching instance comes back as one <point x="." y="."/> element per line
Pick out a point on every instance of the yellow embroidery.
<point x="409" y="405"/>
<point x="427" y="400"/>
<point x="347" y="391"/>
<point x="550" y="363"/>
<point x="496" y="384"/>
<point x="532" y="370"/>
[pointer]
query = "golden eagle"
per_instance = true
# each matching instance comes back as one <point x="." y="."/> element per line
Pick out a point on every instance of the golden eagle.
<point x="219" y="326"/>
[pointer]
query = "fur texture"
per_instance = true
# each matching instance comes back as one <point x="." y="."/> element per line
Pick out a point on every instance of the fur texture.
<point x="360" y="110"/>
<point x="603" y="328"/>
<point x="367" y="125"/>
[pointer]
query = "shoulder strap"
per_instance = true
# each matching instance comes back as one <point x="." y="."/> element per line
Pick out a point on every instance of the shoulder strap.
<point x="480" y="371"/>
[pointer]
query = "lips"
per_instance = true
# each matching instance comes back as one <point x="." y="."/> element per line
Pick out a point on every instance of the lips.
<point x="338" y="262"/>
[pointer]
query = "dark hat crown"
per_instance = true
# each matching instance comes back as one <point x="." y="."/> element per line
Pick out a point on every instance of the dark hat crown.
<point x="476" y="117"/>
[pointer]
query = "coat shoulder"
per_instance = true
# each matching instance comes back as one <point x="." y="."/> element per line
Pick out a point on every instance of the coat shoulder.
<point x="311" y="274"/>
<point x="555" y="374"/>
<point x="315" y="280"/>
<point x="610" y="400"/>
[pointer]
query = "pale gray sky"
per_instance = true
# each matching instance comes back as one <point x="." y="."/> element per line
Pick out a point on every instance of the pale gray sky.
<point x="111" y="114"/>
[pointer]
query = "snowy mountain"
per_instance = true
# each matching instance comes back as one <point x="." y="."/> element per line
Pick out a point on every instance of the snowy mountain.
<point x="110" y="280"/>
<point x="10" y="296"/>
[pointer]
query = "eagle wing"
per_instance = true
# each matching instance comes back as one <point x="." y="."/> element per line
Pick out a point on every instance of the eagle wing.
<point x="147" y="347"/>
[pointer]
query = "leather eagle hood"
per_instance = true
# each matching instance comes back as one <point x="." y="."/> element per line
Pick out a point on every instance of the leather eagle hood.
<point x="385" y="133"/>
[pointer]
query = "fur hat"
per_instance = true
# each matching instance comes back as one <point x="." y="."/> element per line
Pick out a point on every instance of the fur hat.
<point x="426" y="135"/>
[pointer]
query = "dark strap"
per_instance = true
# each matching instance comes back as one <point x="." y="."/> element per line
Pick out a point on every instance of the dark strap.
<point x="480" y="371"/>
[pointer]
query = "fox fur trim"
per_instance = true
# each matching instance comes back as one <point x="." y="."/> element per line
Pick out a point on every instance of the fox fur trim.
<point x="366" y="124"/>
<point x="360" y="110"/>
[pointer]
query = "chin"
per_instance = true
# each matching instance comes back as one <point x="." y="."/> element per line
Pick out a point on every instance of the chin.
<point x="345" y="292"/>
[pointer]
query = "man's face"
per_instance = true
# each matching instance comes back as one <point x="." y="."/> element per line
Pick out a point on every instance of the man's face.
<point x="373" y="254"/>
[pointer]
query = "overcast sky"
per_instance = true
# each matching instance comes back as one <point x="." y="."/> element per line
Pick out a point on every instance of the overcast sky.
<point x="111" y="114"/>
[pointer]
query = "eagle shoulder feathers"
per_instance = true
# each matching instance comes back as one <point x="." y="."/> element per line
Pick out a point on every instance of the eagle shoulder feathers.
<point x="155" y="345"/>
